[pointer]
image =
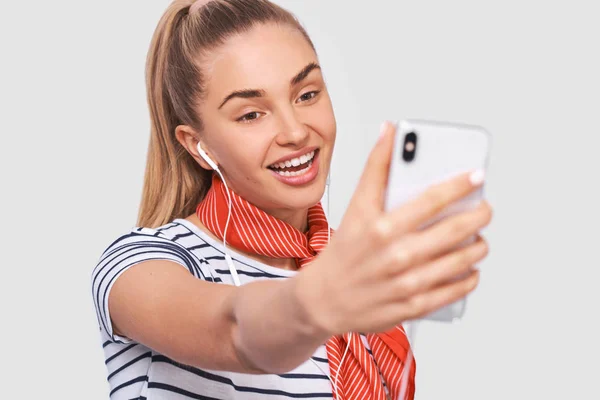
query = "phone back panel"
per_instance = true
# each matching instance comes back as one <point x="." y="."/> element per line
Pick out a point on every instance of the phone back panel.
<point x="442" y="150"/>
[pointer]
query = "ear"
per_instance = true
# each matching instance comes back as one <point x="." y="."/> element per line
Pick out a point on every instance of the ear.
<point x="189" y="139"/>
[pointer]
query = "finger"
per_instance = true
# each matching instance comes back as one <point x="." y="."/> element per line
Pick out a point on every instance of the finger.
<point x="372" y="184"/>
<point x="425" y="303"/>
<point x="434" y="200"/>
<point x="446" y="235"/>
<point x="416" y="248"/>
<point x="452" y="266"/>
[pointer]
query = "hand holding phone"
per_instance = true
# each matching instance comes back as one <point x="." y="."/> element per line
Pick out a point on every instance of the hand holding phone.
<point x="382" y="267"/>
<point x="427" y="153"/>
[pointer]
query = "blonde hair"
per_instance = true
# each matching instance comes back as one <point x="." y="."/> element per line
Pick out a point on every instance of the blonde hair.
<point x="174" y="183"/>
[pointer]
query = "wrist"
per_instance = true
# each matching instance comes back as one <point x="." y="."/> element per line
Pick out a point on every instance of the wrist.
<point x="308" y="299"/>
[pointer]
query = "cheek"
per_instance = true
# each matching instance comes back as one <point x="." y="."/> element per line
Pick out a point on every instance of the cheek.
<point x="239" y="151"/>
<point x="325" y="121"/>
<point x="245" y="157"/>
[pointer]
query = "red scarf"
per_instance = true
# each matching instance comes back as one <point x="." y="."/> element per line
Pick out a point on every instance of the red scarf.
<point x="254" y="231"/>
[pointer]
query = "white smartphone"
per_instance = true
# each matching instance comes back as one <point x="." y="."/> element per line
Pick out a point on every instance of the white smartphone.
<point x="429" y="152"/>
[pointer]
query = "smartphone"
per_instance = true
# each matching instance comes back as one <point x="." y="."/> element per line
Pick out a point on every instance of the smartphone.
<point x="429" y="152"/>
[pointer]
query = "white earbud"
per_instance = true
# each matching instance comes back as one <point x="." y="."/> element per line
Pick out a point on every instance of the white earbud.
<point x="207" y="158"/>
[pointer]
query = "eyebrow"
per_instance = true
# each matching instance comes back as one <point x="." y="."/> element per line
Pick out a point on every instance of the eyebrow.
<point x="244" y="94"/>
<point x="254" y="93"/>
<point x="300" y="76"/>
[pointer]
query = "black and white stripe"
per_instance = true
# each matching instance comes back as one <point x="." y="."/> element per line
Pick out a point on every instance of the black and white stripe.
<point x="135" y="371"/>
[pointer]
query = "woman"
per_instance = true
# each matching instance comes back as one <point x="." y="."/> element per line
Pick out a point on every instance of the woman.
<point x="240" y="81"/>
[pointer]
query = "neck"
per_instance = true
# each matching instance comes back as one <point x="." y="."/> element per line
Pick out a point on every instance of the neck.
<point x="296" y="218"/>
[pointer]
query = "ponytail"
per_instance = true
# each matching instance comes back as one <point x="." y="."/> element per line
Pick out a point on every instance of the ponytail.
<point x="173" y="183"/>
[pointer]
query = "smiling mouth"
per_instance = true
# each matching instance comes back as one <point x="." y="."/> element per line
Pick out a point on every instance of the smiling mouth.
<point x="295" y="166"/>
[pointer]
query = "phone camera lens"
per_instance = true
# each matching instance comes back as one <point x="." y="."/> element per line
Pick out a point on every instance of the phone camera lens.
<point x="409" y="147"/>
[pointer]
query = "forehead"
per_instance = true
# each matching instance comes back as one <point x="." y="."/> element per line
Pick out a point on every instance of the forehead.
<point x="265" y="57"/>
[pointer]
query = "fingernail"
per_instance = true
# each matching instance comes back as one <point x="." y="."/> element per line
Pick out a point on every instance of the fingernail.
<point x="477" y="177"/>
<point x="384" y="127"/>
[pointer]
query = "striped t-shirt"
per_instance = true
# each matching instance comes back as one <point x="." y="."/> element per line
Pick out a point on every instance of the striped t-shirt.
<point x="137" y="372"/>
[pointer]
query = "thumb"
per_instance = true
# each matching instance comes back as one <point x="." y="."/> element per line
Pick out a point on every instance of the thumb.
<point x="371" y="187"/>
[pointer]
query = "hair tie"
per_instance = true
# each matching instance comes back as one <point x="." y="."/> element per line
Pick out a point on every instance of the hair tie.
<point x="197" y="4"/>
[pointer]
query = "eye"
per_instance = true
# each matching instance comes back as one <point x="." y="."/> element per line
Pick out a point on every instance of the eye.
<point x="249" y="117"/>
<point x="309" y="95"/>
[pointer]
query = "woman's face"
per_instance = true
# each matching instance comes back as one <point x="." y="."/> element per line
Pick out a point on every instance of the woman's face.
<point x="267" y="109"/>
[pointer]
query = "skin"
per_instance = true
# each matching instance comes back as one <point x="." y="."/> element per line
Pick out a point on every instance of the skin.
<point x="246" y="135"/>
<point x="378" y="271"/>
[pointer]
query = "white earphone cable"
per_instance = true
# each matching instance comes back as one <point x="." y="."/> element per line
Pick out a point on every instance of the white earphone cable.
<point x="228" y="259"/>
<point x="334" y="383"/>
<point x="335" y="386"/>
<point x="412" y="332"/>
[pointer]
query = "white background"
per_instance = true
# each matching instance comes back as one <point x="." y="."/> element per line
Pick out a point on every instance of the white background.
<point x="74" y="137"/>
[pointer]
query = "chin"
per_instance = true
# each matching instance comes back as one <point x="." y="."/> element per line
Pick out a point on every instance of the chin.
<point x="294" y="198"/>
<point x="308" y="200"/>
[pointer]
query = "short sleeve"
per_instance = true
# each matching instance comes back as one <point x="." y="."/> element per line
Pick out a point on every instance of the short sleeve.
<point x="141" y="244"/>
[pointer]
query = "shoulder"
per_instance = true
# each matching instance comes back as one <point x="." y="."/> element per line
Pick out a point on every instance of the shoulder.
<point x="178" y="232"/>
<point x="175" y="241"/>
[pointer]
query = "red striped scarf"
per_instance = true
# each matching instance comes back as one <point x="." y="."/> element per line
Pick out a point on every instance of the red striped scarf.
<point x="254" y="231"/>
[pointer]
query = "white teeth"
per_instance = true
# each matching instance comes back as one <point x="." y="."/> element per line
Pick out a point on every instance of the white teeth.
<point x="295" y="173"/>
<point x="294" y="162"/>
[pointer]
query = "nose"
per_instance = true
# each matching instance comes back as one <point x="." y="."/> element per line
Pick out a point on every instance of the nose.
<point x="291" y="130"/>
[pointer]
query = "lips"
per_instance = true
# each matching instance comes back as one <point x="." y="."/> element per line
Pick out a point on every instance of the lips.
<point x="296" y="175"/>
